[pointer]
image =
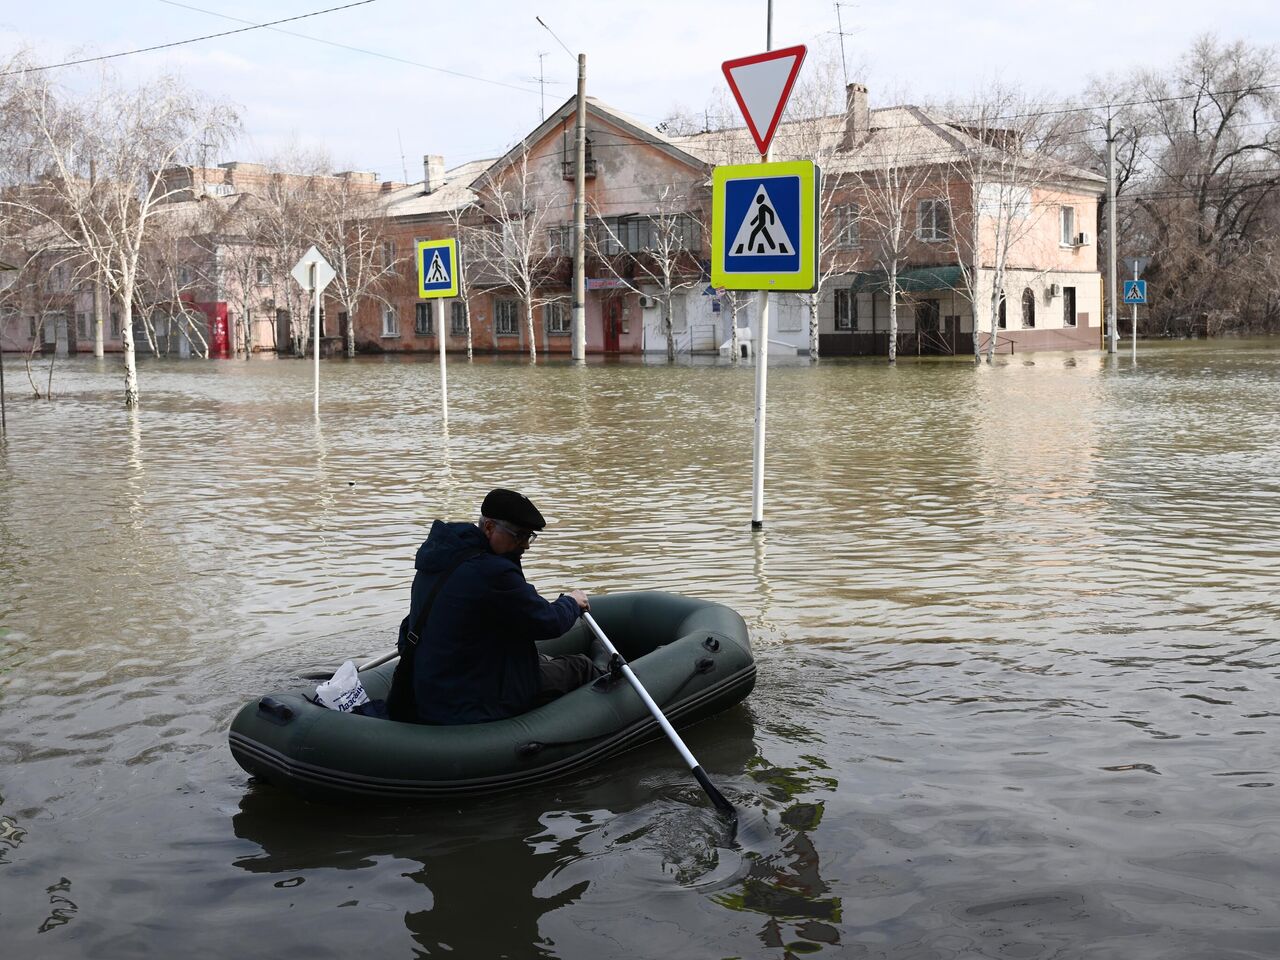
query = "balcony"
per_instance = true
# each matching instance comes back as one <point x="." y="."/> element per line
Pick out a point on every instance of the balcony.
<point x="588" y="168"/>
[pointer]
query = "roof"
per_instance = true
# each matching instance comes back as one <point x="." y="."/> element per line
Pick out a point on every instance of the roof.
<point x="906" y="135"/>
<point x="455" y="194"/>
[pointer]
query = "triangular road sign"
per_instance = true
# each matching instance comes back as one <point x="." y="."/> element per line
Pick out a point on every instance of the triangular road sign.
<point x="437" y="273"/>
<point x="761" y="233"/>
<point x="762" y="84"/>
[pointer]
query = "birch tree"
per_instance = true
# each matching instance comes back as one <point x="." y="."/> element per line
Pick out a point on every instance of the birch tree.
<point x="513" y="246"/>
<point x="1002" y="159"/>
<point x="461" y="221"/>
<point x="103" y="154"/>
<point x="895" y="178"/>
<point x="350" y="230"/>
<point x="657" y="249"/>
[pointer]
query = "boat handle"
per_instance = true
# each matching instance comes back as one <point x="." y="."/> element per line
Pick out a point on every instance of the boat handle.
<point x="281" y="711"/>
<point x="704" y="665"/>
<point x="712" y="644"/>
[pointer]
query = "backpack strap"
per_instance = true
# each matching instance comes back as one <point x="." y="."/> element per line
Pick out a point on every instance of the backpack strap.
<point x="402" y="703"/>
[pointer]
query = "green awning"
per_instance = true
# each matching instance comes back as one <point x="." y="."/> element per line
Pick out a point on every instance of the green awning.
<point x="912" y="280"/>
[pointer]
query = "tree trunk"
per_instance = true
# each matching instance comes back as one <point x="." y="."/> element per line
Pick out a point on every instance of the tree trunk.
<point x="533" y="344"/>
<point x="130" y="361"/>
<point x="99" y="316"/>
<point x="893" y="318"/>
<point x="466" y="313"/>
<point x="735" y="348"/>
<point x="671" y="334"/>
<point x="351" y="330"/>
<point x="995" y="318"/>
<point x="813" y="326"/>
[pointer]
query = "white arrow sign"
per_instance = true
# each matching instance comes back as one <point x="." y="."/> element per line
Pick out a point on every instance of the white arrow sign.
<point x="302" y="270"/>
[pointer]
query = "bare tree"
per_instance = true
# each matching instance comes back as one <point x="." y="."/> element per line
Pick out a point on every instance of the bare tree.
<point x="1002" y="158"/>
<point x="461" y="221"/>
<point x="656" y="249"/>
<point x="513" y="246"/>
<point x="103" y="154"/>
<point x="350" y="228"/>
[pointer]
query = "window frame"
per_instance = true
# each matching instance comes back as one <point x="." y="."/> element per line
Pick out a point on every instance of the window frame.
<point x="556" y="319"/>
<point x="938" y="219"/>
<point x="457" y="318"/>
<point x="390" y="321"/>
<point x="424" y="321"/>
<point x="501" y="308"/>
<point x="1028" y="309"/>
<point x="1067" y="234"/>
<point x="846" y="320"/>
<point x="848" y="234"/>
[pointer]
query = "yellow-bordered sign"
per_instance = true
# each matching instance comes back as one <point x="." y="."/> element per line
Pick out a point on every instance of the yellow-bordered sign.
<point x="764" y="226"/>
<point x="438" y="268"/>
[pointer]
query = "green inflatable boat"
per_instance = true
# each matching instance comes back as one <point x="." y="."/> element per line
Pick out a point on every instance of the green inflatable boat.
<point x="692" y="656"/>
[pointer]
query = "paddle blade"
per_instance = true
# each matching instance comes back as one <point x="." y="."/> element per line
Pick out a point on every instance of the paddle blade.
<point x="717" y="798"/>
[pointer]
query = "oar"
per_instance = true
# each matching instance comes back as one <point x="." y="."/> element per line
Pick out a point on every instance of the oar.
<point x="717" y="798"/>
<point x="325" y="673"/>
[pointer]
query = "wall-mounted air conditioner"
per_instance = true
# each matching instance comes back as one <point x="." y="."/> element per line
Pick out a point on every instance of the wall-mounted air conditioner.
<point x="1052" y="290"/>
<point x="648" y="303"/>
<point x="1082" y="239"/>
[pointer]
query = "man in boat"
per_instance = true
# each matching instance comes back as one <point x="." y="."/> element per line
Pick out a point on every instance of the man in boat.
<point x="472" y="657"/>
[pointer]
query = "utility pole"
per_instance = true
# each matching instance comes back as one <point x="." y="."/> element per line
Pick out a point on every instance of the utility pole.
<point x="580" y="219"/>
<point x="542" y="87"/>
<point x="99" y="310"/>
<point x="1111" y="230"/>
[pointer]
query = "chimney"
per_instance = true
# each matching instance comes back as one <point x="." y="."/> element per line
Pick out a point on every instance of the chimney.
<point x="857" y="117"/>
<point x="432" y="172"/>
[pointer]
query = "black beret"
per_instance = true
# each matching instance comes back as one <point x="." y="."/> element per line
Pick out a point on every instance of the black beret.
<point x="514" y="508"/>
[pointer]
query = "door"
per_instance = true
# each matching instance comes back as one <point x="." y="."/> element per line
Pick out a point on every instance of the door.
<point x="612" y="324"/>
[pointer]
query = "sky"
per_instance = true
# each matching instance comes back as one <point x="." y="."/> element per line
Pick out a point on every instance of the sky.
<point x="377" y="85"/>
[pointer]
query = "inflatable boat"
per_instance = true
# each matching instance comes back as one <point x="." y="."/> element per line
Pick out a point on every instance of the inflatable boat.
<point x="692" y="656"/>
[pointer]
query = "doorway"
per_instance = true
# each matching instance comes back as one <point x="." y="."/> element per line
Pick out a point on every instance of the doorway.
<point x="612" y="324"/>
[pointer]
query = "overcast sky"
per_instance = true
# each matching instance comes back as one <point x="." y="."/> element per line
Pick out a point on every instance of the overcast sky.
<point x="646" y="58"/>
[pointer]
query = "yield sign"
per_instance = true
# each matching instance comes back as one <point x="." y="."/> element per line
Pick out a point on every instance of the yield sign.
<point x="761" y="84"/>
<point x="302" y="270"/>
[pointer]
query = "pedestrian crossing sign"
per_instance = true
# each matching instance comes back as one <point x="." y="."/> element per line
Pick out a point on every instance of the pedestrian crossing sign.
<point x="437" y="268"/>
<point x="764" y="226"/>
<point x="1135" y="291"/>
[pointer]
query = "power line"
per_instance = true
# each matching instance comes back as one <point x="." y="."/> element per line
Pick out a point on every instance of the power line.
<point x="179" y="43"/>
<point x="344" y="46"/>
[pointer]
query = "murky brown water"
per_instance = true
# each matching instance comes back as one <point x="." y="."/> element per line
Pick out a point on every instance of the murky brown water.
<point x="1016" y="628"/>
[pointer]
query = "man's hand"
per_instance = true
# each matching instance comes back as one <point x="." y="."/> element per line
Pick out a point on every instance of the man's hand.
<point x="583" y="604"/>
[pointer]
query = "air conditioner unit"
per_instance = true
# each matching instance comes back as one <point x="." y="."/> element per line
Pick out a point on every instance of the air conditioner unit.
<point x="1081" y="239"/>
<point x="1053" y="290"/>
<point x="648" y="303"/>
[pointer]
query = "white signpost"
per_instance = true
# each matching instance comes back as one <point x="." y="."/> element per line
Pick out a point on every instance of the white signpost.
<point x="313" y="274"/>
<point x="762" y="85"/>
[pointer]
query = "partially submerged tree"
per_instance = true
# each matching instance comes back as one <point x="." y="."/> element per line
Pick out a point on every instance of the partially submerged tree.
<point x="512" y="246"/>
<point x="655" y="251"/>
<point x="101" y="156"/>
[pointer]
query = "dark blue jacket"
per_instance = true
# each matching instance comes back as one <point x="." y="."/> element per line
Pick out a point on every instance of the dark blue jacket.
<point x="476" y="658"/>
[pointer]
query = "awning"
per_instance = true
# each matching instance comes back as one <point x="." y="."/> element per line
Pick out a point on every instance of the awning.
<point x="912" y="280"/>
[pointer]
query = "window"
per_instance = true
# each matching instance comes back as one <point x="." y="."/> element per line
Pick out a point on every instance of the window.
<point x="504" y="318"/>
<point x="59" y="279"/>
<point x="560" y="239"/>
<point x="390" y="321"/>
<point x="423" y="324"/>
<point x="388" y="253"/>
<point x="791" y="311"/>
<point x="263" y="272"/>
<point x="1068" y="306"/>
<point x="458" y="319"/>
<point x="679" y="314"/>
<point x="1068" y="218"/>
<point x="636" y="234"/>
<point x="31" y="327"/>
<point x="184" y="276"/>
<point x="846" y="310"/>
<point x="933" y="220"/>
<point x="556" y="316"/>
<point x="1028" y="308"/>
<point x="1003" y="312"/>
<point x="996" y="199"/>
<point x="84" y="326"/>
<point x="847" y="225"/>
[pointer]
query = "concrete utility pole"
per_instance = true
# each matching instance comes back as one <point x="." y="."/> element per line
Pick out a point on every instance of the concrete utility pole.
<point x="580" y="219"/>
<point x="99" y="306"/>
<point x="1111" y="245"/>
<point x="315" y="337"/>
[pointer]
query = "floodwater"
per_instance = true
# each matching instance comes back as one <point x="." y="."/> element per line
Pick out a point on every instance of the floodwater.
<point x="1016" y="628"/>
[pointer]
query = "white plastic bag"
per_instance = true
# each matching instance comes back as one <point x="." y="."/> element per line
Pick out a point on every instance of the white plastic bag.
<point x="343" y="691"/>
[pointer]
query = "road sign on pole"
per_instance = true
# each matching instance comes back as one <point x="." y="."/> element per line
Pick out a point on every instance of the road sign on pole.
<point x="764" y="226"/>
<point x="438" y="268"/>
<point x="762" y="84"/>
<point x="313" y="274"/>
<point x="1135" y="291"/>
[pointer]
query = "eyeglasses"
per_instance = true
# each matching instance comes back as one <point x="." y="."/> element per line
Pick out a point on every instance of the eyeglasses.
<point x="528" y="536"/>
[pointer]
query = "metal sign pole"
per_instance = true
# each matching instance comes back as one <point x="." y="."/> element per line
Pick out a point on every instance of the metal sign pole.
<point x="444" y="383"/>
<point x="762" y="362"/>
<point x="315" y="337"/>
<point x="1135" y="315"/>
